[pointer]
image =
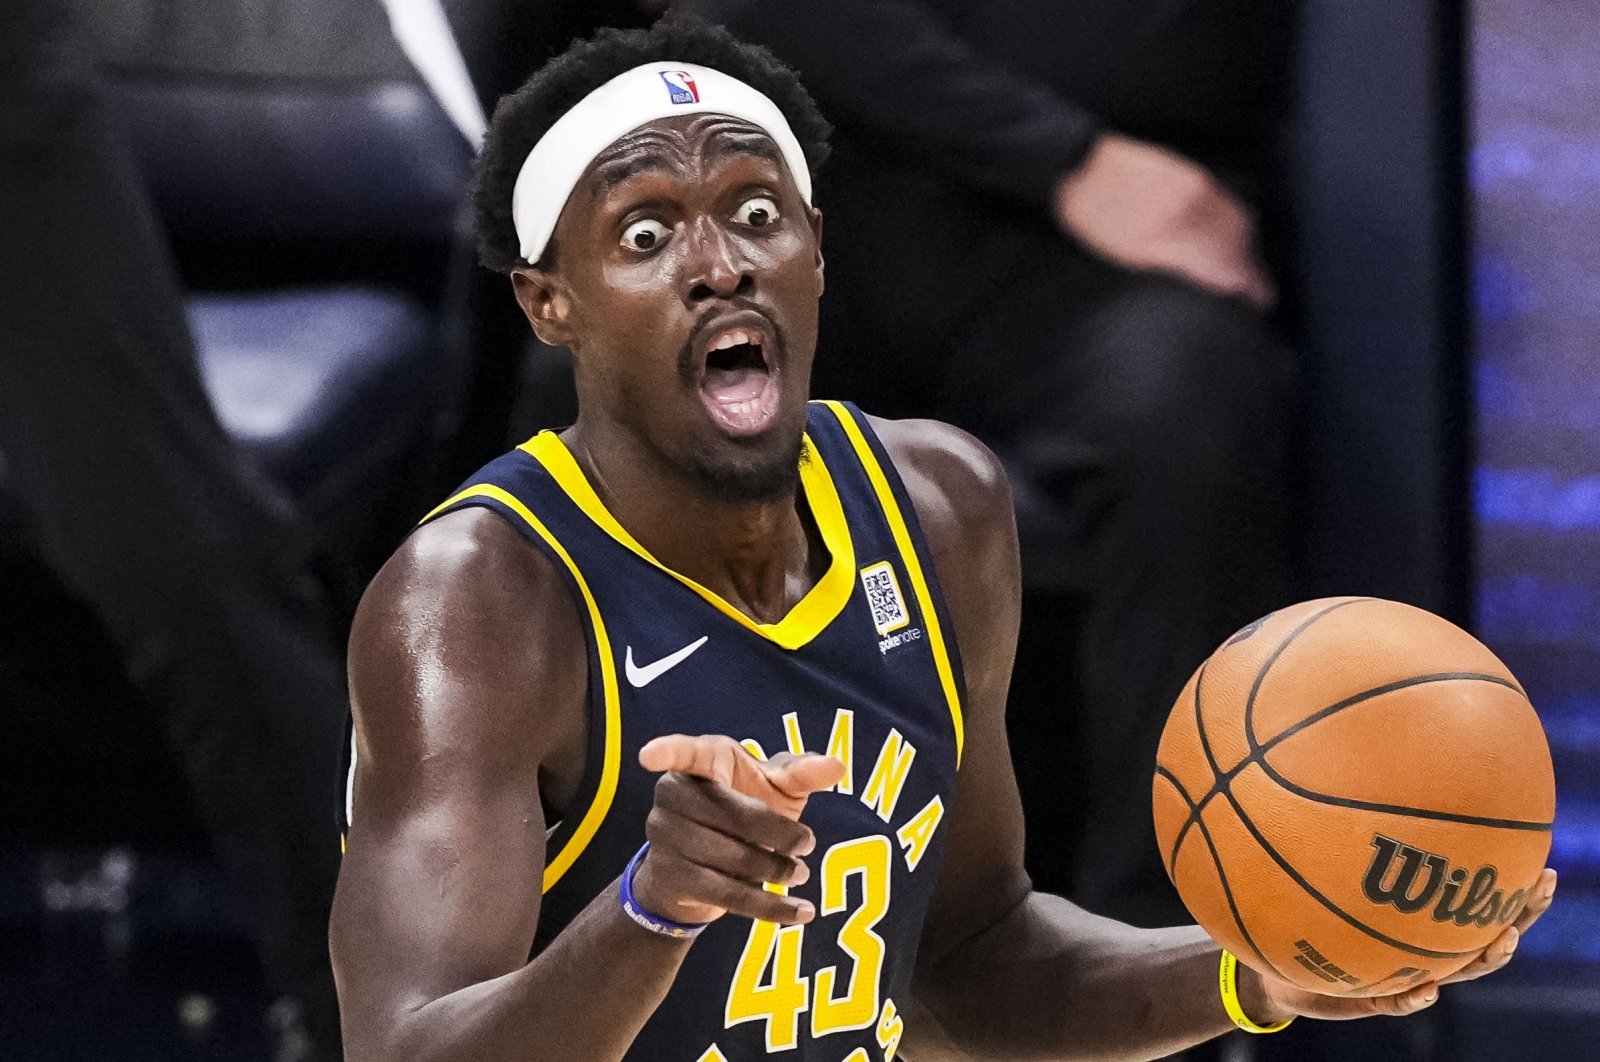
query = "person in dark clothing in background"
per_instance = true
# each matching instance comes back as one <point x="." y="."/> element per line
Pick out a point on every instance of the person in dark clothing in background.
<point x="198" y="569"/>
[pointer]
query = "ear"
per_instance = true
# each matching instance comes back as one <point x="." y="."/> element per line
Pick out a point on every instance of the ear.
<point x="814" y="218"/>
<point x="545" y="301"/>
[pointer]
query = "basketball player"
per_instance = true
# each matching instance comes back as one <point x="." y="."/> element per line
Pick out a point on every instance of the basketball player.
<point x="834" y="869"/>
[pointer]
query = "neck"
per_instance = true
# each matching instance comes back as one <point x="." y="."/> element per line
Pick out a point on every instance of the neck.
<point x="760" y="557"/>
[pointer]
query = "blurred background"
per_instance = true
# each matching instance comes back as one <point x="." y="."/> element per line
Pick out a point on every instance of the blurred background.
<point x="1434" y="216"/>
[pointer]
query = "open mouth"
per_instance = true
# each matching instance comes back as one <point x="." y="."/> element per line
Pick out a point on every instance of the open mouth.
<point x="739" y="384"/>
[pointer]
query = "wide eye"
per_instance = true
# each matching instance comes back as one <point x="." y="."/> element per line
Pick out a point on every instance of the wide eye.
<point x="644" y="235"/>
<point x="757" y="212"/>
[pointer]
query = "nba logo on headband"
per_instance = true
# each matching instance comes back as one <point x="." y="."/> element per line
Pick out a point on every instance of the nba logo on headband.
<point x="680" y="86"/>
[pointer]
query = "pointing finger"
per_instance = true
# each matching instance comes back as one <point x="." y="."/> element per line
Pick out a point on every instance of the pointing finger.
<point x="710" y="756"/>
<point x="798" y="777"/>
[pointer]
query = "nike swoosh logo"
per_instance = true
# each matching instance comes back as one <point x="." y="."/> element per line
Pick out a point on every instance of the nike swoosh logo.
<point x="643" y="676"/>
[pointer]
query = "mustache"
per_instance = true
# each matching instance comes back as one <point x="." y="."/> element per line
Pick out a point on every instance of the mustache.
<point x="687" y="368"/>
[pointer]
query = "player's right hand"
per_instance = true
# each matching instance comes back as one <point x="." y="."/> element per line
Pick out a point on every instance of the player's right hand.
<point x="724" y="826"/>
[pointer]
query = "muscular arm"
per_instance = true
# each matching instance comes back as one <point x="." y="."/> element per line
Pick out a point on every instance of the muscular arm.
<point x="1005" y="972"/>
<point x="469" y="674"/>
<point x="468" y="679"/>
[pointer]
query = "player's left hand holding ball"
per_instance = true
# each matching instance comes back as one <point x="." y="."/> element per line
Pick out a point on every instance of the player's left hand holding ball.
<point x="1269" y="1000"/>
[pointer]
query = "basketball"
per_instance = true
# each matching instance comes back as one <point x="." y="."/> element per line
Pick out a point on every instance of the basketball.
<point x="1355" y="795"/>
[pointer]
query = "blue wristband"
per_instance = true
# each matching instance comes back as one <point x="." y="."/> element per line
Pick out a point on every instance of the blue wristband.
<point x="651" y="921"/>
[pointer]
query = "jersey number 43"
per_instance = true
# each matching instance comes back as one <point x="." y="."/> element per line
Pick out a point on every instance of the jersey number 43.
<point x="768" y="985"/>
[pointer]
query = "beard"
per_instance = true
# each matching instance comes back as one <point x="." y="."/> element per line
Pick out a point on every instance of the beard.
<point x="768" y="474"/>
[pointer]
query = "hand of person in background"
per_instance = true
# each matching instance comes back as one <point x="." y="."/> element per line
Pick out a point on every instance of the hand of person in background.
<point x="1146" y="208"/>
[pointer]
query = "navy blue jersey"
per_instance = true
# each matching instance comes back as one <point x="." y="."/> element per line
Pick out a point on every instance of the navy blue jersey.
<point x="864" y="667"/>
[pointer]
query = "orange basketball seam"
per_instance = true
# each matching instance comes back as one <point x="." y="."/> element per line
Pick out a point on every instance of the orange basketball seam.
<point x="1219" y="779"/>
<point x="1195" y="819"/>
<point x="1312" y="891"/>
<point x="1205" y="744"/>
<point x="1172" y="859"/>
<point x="1377" y="691"/>
<point x="1266" y="665"/>
<point x="1222" y="875"/>
<point x="1222" y="779"/>
<point x="1400" y="809"/>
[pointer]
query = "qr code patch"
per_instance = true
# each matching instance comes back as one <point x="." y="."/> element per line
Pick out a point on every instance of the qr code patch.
<point x="883" y="597"/>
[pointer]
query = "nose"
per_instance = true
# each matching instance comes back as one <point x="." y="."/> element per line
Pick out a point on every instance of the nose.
<point x="716" y="265"/>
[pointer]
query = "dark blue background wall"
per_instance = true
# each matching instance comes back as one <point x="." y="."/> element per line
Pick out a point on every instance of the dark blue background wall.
<point x="1447" y="179"/>
<point x="1535" y="199"/>
<point x="1377" y="178"/>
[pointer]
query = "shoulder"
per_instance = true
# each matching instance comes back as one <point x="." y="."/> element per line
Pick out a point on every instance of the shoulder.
<point x="958" y="485"/>
<point x="457" y="627"/>
<point x="963" y="501"/>
<point x="469" y="568"/>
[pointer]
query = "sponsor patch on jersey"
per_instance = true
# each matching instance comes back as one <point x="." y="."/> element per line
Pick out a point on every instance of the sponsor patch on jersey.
<point x="680" y="86"/>
<point x="884" y="598"/>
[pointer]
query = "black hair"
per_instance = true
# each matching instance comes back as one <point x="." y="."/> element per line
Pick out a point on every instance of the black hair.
<point x="524" y="116"/>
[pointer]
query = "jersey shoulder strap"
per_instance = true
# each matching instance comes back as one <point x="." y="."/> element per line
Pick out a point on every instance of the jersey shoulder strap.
<point x="865" y="476"/>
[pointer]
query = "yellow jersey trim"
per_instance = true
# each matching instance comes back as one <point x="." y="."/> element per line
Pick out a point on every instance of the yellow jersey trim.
<point x="611" y="768"/>
<point x="810" y="616"/>
<point x="908" y="555"/>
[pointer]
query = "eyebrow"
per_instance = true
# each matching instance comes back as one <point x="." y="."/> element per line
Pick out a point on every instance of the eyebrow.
<point x="748" y="142"/>
<point x="614" y="171"/>
<point x="610" y="172"/>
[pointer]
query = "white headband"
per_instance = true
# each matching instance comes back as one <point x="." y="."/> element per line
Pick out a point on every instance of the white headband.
<point x="621" y="105"/>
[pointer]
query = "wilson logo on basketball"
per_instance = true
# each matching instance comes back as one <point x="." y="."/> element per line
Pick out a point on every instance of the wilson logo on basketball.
<point x="1411" y="878"/>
